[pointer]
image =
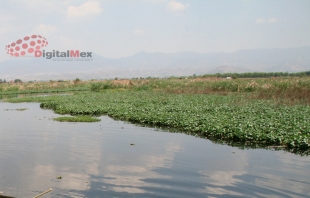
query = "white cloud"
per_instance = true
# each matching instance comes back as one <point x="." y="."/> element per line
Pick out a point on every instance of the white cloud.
<point x="260" y="20"/>
<point x="44" y="29"/>
<point x="155" y="1"/>
<point x="174" y="6"/>
<point x="5" y="24"/>
<point x="70" y="42"/>
<point x="272" y="20"/>
<point x="139" y="32"/>
<point x="43" y="7"/>
<point x="4" y="18"/>
<point x="4" y="29"/>
<point x="89" y="8"/>
<point x="7" y="27"/>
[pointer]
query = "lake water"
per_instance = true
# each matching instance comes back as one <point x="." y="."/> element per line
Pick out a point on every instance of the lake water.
<point x="97" y="160"/>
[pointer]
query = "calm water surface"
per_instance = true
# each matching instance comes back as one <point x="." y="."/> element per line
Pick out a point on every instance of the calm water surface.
<point x="97" y="160"/>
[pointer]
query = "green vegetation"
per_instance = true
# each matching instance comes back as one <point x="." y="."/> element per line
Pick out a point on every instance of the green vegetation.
<point x="288" y="90"/>
<point x="77" y="119"/>
<point x="20" y="109"/>
<point x="224" y="111"/>
<point x="18" y="81"/>
<point x="291" y="90"/>
<point x="229" y="119"/>
<point x="43" y="87"/>
<point x="32" y="99"/>
<point x="114" y="84"/>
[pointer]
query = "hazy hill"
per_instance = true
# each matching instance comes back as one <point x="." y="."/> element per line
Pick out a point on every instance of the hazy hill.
<point x="145" y="64"/>
<point x="229" y="69"/>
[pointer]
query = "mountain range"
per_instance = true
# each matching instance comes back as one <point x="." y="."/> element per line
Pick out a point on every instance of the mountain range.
<point x="158" y="64"/>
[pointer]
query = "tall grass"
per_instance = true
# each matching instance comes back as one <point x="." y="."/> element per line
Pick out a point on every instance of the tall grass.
<point x="291" y="89"/>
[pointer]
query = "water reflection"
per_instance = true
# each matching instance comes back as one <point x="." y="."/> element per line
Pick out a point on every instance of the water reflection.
<point x="229" y="184"/>
<point x="97" y="160"/>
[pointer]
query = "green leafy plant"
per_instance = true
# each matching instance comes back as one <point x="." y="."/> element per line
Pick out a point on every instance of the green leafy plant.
<point x="77" y="119"/>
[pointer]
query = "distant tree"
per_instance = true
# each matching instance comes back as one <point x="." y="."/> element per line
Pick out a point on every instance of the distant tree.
<point x="234" y="77"/>
<point x="77" y="80"/>
<point x="18" y="81"/>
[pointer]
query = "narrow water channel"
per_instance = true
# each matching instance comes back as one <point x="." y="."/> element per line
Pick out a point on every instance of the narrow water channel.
<point x="98" y="160"/>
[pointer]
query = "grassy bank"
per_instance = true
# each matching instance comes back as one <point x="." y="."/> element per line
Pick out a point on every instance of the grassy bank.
<point x="256" y="112"/>
<point x="231" y="119"/>
<point x="43" y="87"/>
<point x="32" y="99"/>
<point x="289" y="90"/>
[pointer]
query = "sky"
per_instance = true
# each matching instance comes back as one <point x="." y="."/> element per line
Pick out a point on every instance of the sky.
<point x="121" y="28"/>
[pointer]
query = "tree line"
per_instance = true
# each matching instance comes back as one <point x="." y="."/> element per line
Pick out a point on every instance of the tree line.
<point x="15" y="81"/>
<point x="219" y="75"/>
<point x="258" y="74"/>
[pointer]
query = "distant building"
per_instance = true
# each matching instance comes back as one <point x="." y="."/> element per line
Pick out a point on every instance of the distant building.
<point x="228" y="78"/>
